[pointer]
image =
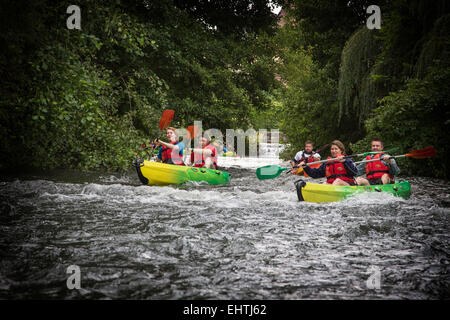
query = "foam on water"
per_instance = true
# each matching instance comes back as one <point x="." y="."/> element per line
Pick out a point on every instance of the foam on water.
<point x="248" y="240"/>
<point x="247" y="163"/>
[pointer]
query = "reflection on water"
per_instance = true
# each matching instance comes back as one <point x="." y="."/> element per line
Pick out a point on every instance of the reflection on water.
<point x="248" y="240"/>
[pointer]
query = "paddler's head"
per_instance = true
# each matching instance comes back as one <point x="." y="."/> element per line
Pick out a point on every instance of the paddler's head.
<point x="337" y="148"/>
<point x="171" y="134"/>
<point x="308" y="146"/>
<point x="204" y="140"/>
<point x="377" y="145"/>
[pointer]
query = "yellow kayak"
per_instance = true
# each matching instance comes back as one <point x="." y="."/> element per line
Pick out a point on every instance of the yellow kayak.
<point x="315" y="192"/>
<point x="161" y="174"/>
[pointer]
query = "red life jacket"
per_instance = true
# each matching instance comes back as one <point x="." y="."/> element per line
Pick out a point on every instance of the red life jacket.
<point x="200" y="161"/>
<point x="336" y="169"/>
<point x="171" y="156"/>
<point x="308" y="159"/>
<point x="376" y="169"/>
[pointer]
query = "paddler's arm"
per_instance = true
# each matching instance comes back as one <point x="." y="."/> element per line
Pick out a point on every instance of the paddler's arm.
<point x="168" y="145"/>
<point x="314" y="172"/>
<point x="393" y="168"/>
<point x="294" y="165"/>
<point x="351" y="167"/>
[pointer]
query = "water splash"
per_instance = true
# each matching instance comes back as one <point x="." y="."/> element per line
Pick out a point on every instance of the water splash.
<point x="250" y="239"/>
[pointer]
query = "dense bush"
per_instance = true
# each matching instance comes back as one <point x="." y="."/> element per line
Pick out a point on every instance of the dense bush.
<point x="88" y="98"/>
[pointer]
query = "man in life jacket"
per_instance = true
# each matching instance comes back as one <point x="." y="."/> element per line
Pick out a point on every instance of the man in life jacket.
<point x="377" y="172"/>
<point x="307" y="155"/>
<point x="206" y="156"/>
<point x="171" y="152"/>
<point x="339" y="172"/>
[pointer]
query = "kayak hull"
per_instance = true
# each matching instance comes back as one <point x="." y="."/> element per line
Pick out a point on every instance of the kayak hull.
<point x="160" y="174"/>
<point x="314" y="192"/>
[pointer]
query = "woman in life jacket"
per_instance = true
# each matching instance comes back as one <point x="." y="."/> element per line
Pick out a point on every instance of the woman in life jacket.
<point x="377" y="172"/>
<point x="340" y="172"/>
<point x="206" y="156"/>
<point x="172" y="151"/>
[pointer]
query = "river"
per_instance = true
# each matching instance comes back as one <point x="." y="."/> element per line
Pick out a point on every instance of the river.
<point x="248" y="240"/>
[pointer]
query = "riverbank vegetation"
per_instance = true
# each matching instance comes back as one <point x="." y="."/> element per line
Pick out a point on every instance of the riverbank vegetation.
<point x="88" y="98"/>
<point x="354" y="84"/>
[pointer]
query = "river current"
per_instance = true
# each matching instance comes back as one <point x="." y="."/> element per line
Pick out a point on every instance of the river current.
<point x="248" y="240"/>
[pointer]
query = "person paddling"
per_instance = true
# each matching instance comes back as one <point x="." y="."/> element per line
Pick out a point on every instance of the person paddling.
<point x="206" y="156"/>
<point x="377" y="172"/>
<point x="171" y="152"/>
<point x="340" y="172"/>
<point x="307" y="155"/>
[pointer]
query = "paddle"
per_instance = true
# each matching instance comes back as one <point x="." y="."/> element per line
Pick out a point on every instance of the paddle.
<point x="424" y="153"/>
<point x="323" y="147"/>
<point x="164" y="122"/>
<point x="166" y="119"/>
<point x="353" y="155"/>
<point x="273" y="171"/>
<point x="350" y="156"/>
<point x="269" y="172"/>
<point x="191" y="132"/>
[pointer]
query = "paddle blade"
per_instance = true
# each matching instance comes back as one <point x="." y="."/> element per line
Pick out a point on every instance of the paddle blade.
<point x="269" y="172"/>
<point x="424" y="153"/>
<point x="192" y="132"/>
<point x="166" y="119"/>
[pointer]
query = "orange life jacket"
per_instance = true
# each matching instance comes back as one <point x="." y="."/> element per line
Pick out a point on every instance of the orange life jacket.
<point x="200" y="160"/>
<point x="171" y="156"/>
<point x="336" y="169"/>
<point x="376" y="169"/>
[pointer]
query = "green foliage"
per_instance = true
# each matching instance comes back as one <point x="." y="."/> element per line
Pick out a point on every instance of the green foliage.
<point x="436" y="48"/>
<point x="358" y="92"/>
<point x="326" y="25"/>
<point x="236" y="18"/>
<point x="414" y="65"/>
<point x="393" y="83"/>
<point x="414" y="118"/>
<point x="88" y="98"/>
<point x="308" y="102"/>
